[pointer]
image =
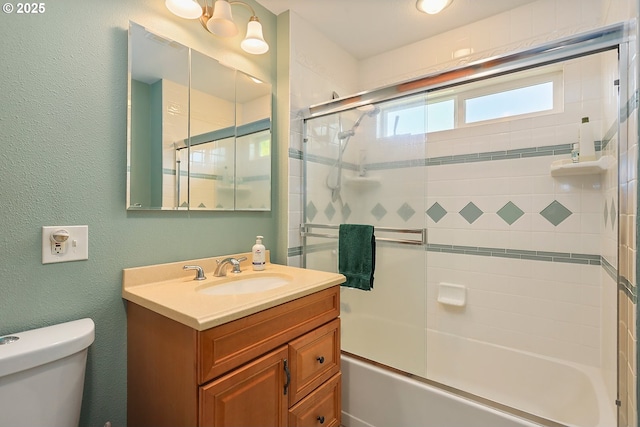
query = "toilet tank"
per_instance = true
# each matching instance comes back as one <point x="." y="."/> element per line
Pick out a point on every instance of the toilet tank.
<point x="42" y="375"/>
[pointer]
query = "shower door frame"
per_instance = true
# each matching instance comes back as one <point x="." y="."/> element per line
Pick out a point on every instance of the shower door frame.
<point x="600" y="40"/>
<point x="603" y="39"/>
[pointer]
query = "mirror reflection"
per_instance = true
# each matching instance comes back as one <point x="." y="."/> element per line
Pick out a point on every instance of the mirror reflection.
<point x="199" y="134"/>
<point x="157" y="66"/>
<point x="253" y="143"/>
<point x="213" y="122"/>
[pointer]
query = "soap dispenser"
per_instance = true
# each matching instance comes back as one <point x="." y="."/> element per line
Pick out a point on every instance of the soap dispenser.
<point x="258" y="254"/>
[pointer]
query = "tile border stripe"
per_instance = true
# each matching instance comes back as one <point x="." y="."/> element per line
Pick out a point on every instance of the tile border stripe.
<point x="562" y="257"/>
<point x="521" y="153"/>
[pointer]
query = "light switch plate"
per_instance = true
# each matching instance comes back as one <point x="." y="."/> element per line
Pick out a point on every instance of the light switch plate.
<point x="76" y="247"/>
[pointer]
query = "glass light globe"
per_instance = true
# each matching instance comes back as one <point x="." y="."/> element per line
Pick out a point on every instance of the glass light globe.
<point x="187" y="9"/>
<point x="432" y="6"/>
<point x="221" y="23"/>
<point x="254" y="41"/>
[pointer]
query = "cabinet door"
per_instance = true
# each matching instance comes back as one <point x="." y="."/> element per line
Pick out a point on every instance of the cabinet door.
<point x="250" y="396"/>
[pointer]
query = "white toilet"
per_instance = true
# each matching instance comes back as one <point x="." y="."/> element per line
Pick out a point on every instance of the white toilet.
<point x="42" y="375"/>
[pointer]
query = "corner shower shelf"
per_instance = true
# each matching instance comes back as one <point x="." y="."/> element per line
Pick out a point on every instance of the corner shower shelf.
<point x="566" y="167"/>
<point x="362" y="182"/>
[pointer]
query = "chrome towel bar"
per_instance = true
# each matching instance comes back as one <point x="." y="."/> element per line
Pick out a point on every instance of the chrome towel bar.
<point x="421" y="232"/>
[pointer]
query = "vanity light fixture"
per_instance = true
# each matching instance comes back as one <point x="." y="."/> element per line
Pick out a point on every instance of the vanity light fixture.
<point x="432" y="6"/>
<point x="217" y="19"/>
<point x="187" y="9"/>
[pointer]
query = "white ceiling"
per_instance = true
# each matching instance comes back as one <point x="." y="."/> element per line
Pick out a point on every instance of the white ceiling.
<point x="365" y="28"/>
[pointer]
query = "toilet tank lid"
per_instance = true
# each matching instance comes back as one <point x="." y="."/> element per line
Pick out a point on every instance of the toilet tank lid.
<point x="39" y="346"/>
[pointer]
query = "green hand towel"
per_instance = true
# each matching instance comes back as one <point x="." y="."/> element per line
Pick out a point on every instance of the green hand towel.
<point x="357" y="255"/>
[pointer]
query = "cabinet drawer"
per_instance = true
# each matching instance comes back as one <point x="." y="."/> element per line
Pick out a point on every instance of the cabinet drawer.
<point x="322" y="408"/>
<point x="314" y="358"/>
<point x="228" y="346"/>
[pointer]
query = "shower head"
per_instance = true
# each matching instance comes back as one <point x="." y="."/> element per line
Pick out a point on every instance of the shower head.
<point x="335" y="175"/>
<point x="369" y="110"/>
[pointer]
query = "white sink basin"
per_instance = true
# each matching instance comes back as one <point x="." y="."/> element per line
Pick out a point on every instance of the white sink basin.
<point x="245" y="285"/>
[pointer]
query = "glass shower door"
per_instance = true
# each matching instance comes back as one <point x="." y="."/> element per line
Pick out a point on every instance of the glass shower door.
<point x="523" y="243"/>
<point x="366" y="166"/>
<point x="513" y="301"/>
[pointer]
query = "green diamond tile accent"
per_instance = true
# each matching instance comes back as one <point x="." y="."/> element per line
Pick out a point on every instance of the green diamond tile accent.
<point x="555" y="213"/>
<point x="613" y="215"/>
<point x="378" y="211"/>
<point x="184" y="205"/>
<point x="312" y="211"/>
<point x="606" y="213"/>
<point x="406" y="212"/>
<point x="471" y="212"/>
<point x="201" y="205"/>
<point x="510" y="213"/>
<point x="436" y="212"/>
<point x="346" y="212"/>
<point x="330" y="211"/>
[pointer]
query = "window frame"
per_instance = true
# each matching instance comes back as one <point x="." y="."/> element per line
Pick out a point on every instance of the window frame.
<point x="517" y="81"/>
<point x="467" y="91"/>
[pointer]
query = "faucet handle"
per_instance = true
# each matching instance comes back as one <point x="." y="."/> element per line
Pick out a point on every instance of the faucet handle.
<point x="199" y="271"/>
<point x="236" y="266"/>
<point x="231" y="260"/>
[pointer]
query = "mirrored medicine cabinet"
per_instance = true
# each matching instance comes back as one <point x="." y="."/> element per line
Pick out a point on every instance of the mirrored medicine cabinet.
<point x="199" y="132"/>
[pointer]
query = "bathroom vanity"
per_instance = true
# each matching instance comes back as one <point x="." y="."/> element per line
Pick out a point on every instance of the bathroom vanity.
<point x="240" y="358"/>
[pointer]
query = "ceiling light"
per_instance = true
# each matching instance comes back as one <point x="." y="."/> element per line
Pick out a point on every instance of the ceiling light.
<point x="459" y="53"/>
<point x="188" y="9"/>
<point x="218" y="20"/>
<point x="432" y="6"/>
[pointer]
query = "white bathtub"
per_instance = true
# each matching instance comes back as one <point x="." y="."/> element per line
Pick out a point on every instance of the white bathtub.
<point x="373" y="397"/>
<point x="551" y="389"/>
<point x="568" y="393"/>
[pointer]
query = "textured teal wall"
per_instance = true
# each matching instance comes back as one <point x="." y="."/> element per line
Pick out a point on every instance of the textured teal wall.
<point x="63" y="86"/>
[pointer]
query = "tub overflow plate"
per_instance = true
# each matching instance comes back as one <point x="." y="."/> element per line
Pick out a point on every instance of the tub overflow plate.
<point x="8" y="340"/>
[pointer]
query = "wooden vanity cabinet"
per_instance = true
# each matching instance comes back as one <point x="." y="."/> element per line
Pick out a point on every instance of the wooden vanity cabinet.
<point x="277" y="367"/>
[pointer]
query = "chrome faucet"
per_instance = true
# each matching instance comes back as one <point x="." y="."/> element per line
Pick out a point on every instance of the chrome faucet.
<point x="221" y="269"/>
<point x="199" y="271"/>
